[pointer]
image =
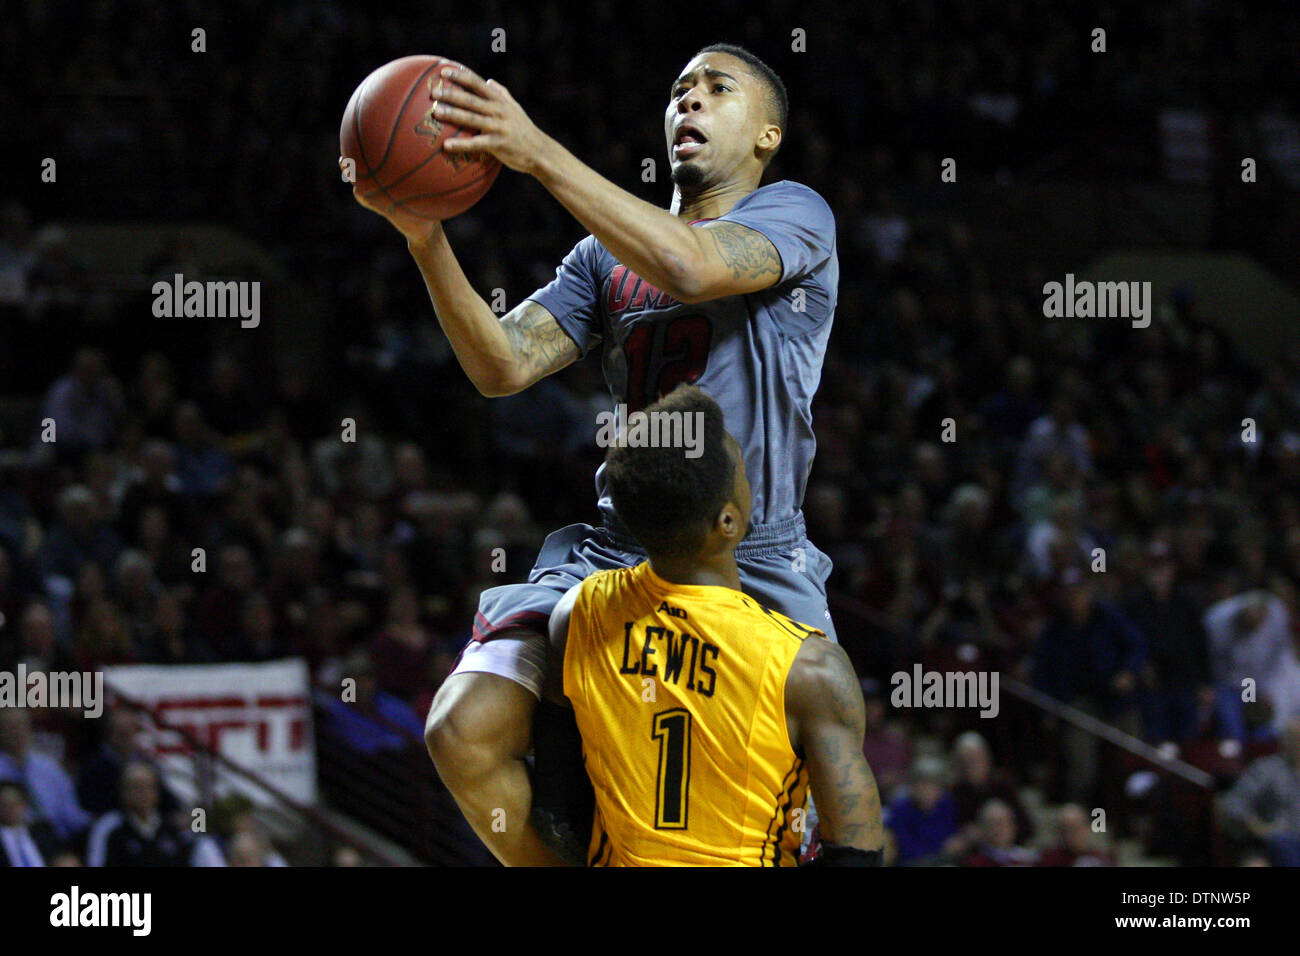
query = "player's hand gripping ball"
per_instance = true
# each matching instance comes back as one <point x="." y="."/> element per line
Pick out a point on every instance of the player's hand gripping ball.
<point x="391" y="134"/>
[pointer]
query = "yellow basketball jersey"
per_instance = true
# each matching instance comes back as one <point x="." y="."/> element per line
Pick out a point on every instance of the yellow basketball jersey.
<point x="679" y="692"/>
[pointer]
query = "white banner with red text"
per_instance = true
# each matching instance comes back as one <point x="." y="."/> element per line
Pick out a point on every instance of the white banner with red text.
<point x="257" y="716"/>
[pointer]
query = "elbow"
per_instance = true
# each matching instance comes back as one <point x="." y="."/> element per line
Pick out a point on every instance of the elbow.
<point x="689" y="292"/>
<point x="489" y="388"/>
<point x="497" y="384"/>
<point x="682" y="282"/>
<point x="691" y="295"/>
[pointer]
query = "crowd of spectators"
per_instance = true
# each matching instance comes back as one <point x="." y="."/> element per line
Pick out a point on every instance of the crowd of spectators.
<point x="1097" y="527"/>
<point x="117" y="811"/>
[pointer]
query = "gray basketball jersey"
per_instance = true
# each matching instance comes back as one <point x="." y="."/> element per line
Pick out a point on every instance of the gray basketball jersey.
<point x="758" y="355"/>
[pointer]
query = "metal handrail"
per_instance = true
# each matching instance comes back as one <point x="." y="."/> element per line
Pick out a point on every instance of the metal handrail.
<point x="1063" y="711"/>
<point x="1099" y="728"/>
<point x="315" y="816"/>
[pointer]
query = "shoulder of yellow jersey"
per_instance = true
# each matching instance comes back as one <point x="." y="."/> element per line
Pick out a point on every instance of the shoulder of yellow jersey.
<point x="602" y="584"/>
<point x="767" y="617"/>
<point x="599" y="587"/>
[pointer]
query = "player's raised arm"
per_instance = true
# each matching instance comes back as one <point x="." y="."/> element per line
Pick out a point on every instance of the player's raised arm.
<point x="692" y="265"/>
<point x="827" y="719"/>
<point x="501" y="355"/>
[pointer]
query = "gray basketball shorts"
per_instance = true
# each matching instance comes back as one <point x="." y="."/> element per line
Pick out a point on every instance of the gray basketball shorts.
<point x="779" y="567"/>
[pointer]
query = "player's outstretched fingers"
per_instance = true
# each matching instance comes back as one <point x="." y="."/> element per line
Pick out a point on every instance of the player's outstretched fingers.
<point x="464" y="117"/>
<point x="470" y="80"/>
<point x="447" y="93"/>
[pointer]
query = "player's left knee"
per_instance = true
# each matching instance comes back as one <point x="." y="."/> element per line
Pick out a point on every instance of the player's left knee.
<point x="450" y="747"/>
<point x="477" y="723"/>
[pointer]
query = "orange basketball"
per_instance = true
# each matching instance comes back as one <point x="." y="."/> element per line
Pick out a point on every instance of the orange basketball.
<point x="390" y="132"/>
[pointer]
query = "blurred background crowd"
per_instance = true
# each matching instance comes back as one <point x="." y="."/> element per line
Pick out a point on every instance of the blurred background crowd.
<point x="366" y="558"/>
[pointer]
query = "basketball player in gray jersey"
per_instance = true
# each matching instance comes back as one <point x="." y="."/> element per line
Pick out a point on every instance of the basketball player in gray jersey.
<point x="733" y="289"/>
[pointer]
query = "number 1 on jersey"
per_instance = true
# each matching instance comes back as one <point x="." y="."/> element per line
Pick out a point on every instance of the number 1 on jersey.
<point x="672" y="728"/>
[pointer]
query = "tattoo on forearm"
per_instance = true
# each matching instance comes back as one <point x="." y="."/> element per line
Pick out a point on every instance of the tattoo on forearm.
<point x="840" y="761"/>
<point x="749" y="253"/>
<point x="855" y="809"/>
<point x="537" y="341"/>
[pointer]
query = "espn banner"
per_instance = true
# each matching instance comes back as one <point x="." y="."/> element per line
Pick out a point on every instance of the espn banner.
<point x="257" y="716"/>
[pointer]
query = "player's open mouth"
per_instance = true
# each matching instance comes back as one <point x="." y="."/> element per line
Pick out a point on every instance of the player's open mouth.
<point x="688" y="141"/>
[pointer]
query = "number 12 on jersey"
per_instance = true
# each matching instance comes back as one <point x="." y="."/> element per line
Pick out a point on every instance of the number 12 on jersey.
<point x="672" y="728"/>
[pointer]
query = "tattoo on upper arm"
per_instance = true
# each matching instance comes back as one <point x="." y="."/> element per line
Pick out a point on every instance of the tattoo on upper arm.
<point x="748" y="253"/>
<point x="538" y="343"/>
<point x="846" y="695"/>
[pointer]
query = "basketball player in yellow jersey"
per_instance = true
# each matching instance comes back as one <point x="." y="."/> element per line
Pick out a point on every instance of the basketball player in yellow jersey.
<point x="705" y="716"/>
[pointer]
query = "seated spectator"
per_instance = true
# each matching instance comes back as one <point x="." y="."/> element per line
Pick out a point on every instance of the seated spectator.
<point x="402" y="650"/>
<point x="40" y="650"/>
<point x="1052" y="545"/>
<point x="86" y="403"/>
<point x="1176" y="679"/>
<point x="260" y="634"/>
<point x="53" y="796"/>
<point x="99" y="785"/>
<point x="23" y="841"/>
<point x="79" y="535"/>
<point x="1088" y="655"/>
<point x="886" y="746"/>
<point x="220" y="606"/>
<point x="202" y="466"/>
<point x="154" y="486"/>
<point x="961" y="633"/>
<point x="1265" y="801"/>
<point x="347" y="856"/>
<point x="370" y="721"/>
<point x="103" y="637"/>
<point x="228" y="403"/>
<point x="137" y="590"/>
<point x="924" y="818"/>
<point x="155" y="537"/>
<point x="1075" y="841"/>
<point x="250" y="845"/>
<point x="171" y="640"/>
<point x="996" y="845"/>
<point x="138" y="834"/>
<point x="1010" y="411"/>
<point x="15" y="587"/>
<point x="247" y="823"/>
<point x="901" y="583"/>
<point x="1250" y="638"/>
<point x="978" y="782"/>
<point x="1058" y="431"/>
<point x="247" y="849"/>
<point x="826" y="508"/>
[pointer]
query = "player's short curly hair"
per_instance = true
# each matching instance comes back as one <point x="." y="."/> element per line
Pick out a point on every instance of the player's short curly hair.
<point x="665" y="498"/>
<point x="778" y="101"/>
